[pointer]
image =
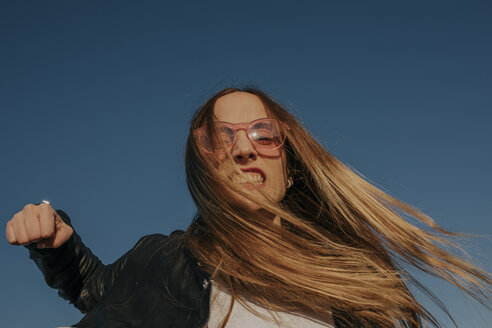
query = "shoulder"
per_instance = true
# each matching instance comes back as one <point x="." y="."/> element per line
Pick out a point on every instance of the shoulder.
<point x="166" y="256"/>
<point x="163" y="247"/>
<point x="173" y="240"/>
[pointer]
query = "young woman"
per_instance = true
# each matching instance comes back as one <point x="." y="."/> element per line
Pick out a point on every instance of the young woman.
<point x="285" y="235"/>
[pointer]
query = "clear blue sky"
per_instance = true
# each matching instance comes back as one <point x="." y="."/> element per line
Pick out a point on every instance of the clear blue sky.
<point x="96" y="98"/>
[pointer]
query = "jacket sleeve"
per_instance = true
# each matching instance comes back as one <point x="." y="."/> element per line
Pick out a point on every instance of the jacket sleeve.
<point x="76" y="272"/>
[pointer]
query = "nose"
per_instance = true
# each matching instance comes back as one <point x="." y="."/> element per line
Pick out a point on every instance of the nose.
<point x="243" y="150"/>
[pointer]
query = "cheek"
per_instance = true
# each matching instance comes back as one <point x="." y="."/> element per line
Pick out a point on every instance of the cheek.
<point x="277" y="183"/>
<point x="278" y="190"/>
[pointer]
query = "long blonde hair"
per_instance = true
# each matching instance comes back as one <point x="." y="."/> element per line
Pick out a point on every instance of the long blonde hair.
<point x="342" y="243"/>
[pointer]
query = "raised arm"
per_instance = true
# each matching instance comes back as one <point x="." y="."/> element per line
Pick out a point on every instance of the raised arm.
<point x="66" y="263"/>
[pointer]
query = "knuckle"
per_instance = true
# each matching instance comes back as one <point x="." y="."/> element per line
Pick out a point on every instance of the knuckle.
<point x="28" y="219"/>
<point x="46" y="219"/>
<point x="44" y="205"/>
<point x="18" y="219"/>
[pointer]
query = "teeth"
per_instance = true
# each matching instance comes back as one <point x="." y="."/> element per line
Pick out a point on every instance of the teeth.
<point x="257" y="178"/>
<point x="249" y="177"/>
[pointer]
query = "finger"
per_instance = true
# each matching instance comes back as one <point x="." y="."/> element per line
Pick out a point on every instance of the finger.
<point x="59" y="239"/>
<point x="9" y="233"/>
<point x="33" y="229"/>
<point x="47" y="221"/>
<point x="20" y="230"/>
<point x="63" y="233"/>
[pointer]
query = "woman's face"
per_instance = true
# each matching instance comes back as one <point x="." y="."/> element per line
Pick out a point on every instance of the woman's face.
<point x="266" y="171"/>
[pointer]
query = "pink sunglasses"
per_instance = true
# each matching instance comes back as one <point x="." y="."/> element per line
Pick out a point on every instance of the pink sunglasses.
<point x="264" y="134"/>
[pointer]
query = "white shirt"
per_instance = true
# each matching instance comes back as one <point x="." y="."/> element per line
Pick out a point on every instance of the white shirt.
<point x="242" y="317"/>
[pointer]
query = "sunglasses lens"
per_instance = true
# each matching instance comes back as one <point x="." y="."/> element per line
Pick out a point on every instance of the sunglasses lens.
<point x="224" y="139"/>
<point x="267" y="134"/>
<point x="225" y="136"/>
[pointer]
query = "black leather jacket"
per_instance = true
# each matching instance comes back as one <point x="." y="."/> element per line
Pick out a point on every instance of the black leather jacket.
<point x="156" y="284"/>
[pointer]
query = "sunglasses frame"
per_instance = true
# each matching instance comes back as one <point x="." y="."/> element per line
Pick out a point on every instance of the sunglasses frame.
<point x="246" y="127"/>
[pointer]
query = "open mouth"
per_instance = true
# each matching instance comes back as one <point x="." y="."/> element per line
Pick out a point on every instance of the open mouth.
<point x="251" y="175"/>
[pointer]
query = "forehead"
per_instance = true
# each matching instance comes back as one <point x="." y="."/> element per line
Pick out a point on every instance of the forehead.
<point x="239" y="107"/>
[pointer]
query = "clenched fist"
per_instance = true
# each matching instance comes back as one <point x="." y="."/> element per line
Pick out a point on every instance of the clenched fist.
<point x="38" y="223"/>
